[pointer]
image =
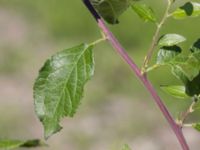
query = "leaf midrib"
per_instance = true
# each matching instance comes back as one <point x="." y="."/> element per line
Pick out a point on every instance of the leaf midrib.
<point x="65" y="83"/>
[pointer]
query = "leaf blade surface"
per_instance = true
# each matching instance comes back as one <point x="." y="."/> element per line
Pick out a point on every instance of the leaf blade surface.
<point x="59" y="86"/>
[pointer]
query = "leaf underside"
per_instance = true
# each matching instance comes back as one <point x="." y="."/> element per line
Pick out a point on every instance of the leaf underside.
<point x="175" y="91"/>
<point x="59" y="86"/>
<point x="167" y="54"/>
<point x="110" y="10"/>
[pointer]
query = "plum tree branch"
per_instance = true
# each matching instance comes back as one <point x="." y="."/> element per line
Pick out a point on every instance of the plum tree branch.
<point x="155" y="38"/>
<point x="121" y="51"/>
<point x="185" y="114"/>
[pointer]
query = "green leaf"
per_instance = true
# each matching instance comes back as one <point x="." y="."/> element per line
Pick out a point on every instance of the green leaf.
<point x="196" y="126"/>
<point x="189" y="71"/>
<point x="13" y="144"/>
<point x="144" y="12"/>
<point x="189" y="9"/>
<point x="167" y="54"/>
<point x="196" y="56"/>
<point x="176" y="91"/>
<point x="190" y="65"/>
<point x="195" y="47"/>
<point x="110" y="10"/>
<point x="178" y="73"/>
<point x="184" y="68"/>
<point x="59" y="86"/>
<point x="171" y="39"/>
<point x="193" y="87"/>
<point x="126" y="147"/>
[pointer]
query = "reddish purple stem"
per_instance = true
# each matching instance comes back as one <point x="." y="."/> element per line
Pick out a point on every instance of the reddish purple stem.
<point x="121" y="51"/>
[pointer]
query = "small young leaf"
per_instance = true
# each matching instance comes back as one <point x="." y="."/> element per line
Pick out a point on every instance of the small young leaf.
<point x="167" y="53"/>
<point x="189" y="66"/>
<point x="171" y="39"/>
<point x="192" y="87"/>
<point x="196" y="126"/>
<point x="59" y="86"/>
<point x="175" y="91"/>
<point x="13" y="144"/>
<point x="145" y="12"/>
<point x="196" y="56"/>
<point x="110" y="10"/>
<point x="189" y="71"/>
<point x="195" y="47"/>
<point x="178" y="73"/>
<point x="126" y="147"/>
<point x="189" y="9"/>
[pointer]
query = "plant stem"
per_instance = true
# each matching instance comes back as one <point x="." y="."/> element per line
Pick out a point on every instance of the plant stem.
<point x="155" y="38"/>
<point x="153" y="67"/>
<point x="121" y="51"/>
<point x="98" y="41"/>
<point x="186" y="114"/>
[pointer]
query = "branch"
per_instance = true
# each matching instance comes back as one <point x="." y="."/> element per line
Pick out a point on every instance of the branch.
<point x="155" y="38"/>
<point x="185" y="114"/>
<point x="121" y="51"/>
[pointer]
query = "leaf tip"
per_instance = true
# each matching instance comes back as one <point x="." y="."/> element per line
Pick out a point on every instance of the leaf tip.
<point x="49" y="131"/>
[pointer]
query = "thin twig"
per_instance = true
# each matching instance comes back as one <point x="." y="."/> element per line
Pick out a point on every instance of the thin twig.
<point x="186" y="114"/>
<point x="121" y="51"/>
<point x="98" y="41"/>
<point x="153" y="67"/>
<point x="155" y="38"/>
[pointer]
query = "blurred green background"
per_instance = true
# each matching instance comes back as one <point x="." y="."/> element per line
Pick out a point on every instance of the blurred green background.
<point x="116" y="109"/>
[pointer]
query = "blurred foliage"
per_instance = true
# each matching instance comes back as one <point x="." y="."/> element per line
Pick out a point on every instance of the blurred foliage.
<point x="11" y="61"/>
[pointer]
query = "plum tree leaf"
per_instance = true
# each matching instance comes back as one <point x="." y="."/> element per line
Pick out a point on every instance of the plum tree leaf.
<point x="186" y="68"/>
<point x="196" y="47"/>
<point x="189" y="9"/>
<point x="189" y="65"/>
<point x="13" y="144"/>
<point x="144" y="12"/>
<point x="176" y="91"/>
<point x="171" y="39"/>
<point x="178" y="73"/>
<point x="167" y="53"/>
<point x="110" y="10"/>
<point x="193" y="86"/>
<point x="59" y="85"/>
